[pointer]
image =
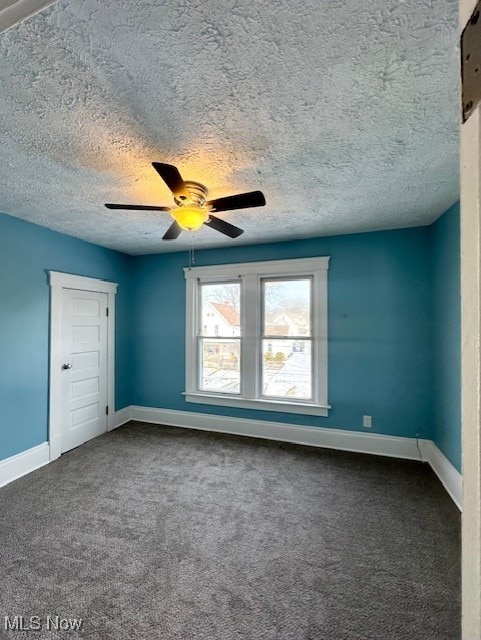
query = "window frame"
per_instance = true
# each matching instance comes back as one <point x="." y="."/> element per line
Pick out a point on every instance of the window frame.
<point x="251" y="275"/>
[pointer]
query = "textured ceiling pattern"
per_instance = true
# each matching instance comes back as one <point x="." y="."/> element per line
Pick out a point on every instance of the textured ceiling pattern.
<point x="345" y="114"/>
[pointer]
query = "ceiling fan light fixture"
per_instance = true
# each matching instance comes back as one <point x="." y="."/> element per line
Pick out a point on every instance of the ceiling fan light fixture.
<point x="193" y="209"/>
<point x="190" y="217"/>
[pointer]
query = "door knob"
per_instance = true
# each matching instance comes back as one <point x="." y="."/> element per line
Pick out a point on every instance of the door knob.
<point x="67" y="366"/>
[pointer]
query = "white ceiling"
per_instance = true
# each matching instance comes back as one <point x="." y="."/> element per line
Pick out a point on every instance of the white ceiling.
<point x="344" y="113"/>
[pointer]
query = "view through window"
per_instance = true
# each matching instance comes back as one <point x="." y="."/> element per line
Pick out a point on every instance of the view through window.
<point x="286" y="352"/>
<point x="257" y="335"/>
<point x="286" y="339"/>
<point x="220" y="331"/>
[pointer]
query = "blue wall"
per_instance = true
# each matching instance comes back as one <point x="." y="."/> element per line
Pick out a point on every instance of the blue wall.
<point x="379" y="329"/>
<point x="394" y="323"/>
<point x="446" y="335"/>
<point x="27" y="251"/>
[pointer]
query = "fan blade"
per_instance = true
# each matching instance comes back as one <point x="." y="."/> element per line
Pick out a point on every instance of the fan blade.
<point x="240" y="201"/>
<point x="173" y="231"/>
<point x="138" y="207"/>
<point x="172" y="178"/>
<point x="224" y="227"/>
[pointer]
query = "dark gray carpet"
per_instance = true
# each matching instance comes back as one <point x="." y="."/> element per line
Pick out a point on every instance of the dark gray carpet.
<point x="160" y="533"/>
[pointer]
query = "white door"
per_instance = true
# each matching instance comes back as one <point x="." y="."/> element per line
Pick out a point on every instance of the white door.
<point x="84" y="366"/>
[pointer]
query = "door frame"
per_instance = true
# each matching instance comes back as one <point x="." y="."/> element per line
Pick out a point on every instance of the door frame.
<point x="471" y="359"/>
<point x="59" y="281"/>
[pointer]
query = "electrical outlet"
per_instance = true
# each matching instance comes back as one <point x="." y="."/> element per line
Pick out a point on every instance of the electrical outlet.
<point x="367" y="422"/>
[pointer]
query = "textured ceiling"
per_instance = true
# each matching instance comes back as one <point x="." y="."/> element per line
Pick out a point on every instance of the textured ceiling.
<point x="345" y="114"/>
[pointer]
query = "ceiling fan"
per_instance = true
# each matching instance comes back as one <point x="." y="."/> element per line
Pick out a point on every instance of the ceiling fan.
<point x="193" y="209"/>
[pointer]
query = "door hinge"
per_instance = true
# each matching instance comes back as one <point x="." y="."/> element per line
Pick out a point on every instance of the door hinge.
<point x="471" y="63"/>
<point x="107" y="311"/>
<point x="106" y="411"/>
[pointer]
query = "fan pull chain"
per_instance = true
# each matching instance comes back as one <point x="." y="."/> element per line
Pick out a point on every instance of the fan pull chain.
<point x="191" y="251"/>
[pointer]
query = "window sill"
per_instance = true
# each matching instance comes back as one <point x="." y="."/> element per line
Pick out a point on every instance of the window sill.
<point x="259" y="404"/>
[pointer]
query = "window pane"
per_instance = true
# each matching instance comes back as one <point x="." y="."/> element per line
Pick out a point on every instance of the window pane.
<point x="220" y="309"/>
<point x="219" y="365"/>
<point x="287" y="369"/>
<point x="287" y="307"/>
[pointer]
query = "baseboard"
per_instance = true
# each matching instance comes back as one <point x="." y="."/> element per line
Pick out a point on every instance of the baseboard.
<point x="450" y="477"/>
<point x="119" y="418"/>
<point x="55" y="447"/>
<point x="358" y="442"/>
<point x="17" y="466"/>
<point x="376" y="444"/>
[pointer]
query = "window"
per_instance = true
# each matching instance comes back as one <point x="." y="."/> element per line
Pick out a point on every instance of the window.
<point x="256" y="335"/>
<point x="219" y="343"/>
<point x="286" y="337"/>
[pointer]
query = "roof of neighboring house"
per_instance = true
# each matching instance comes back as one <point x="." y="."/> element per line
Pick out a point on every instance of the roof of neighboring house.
<point x="277" y="329"/>
<point x="228" y="312"/>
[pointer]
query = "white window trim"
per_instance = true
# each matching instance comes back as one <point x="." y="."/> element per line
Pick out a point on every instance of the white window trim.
<point x="59" y="281"/>
<point x="251" y="274"/>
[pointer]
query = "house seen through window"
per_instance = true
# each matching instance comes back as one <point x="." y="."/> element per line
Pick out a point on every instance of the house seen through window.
<point x="258" y="338"/>
<point x="219" y="342"/>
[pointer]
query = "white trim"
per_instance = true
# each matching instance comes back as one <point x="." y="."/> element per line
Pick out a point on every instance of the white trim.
<point x="27" y="461"/>
<point x="450" y="477"/>
<point x="470" y="166"/>
<point x="251" y="275"/>
<point x="320" y="341"/>
<point x="267" y="268"/>
<point x="191" y="306"/>
<point x="59" y="281"/>
<point x="250" y="357"/>
<point x="22" y="463"/>
<point x="341" y="439"/>
<point x="258" y="403"/>
<point x="357" y="442"/>
<point x="376" y="444"/>
<point x="120" y="417"/>
<point x="83" y="283"/>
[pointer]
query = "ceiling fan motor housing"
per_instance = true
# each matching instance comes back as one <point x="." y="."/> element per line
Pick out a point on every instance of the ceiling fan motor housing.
<point x="190" y="214"/>
<point x="198" y="194"/>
